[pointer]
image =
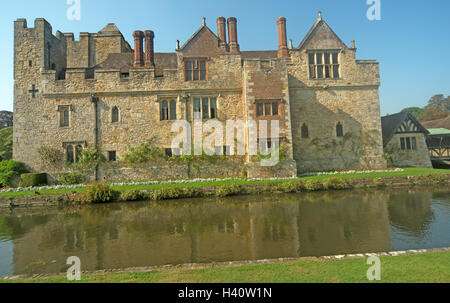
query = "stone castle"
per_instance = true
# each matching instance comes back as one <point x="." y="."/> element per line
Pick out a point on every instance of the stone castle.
<point x="100" y="92"/>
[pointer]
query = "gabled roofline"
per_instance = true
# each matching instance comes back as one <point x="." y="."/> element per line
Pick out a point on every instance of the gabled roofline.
<point x="197" y="32"/>
<point x="404" y="116"/>
<point x="310" y="33"/>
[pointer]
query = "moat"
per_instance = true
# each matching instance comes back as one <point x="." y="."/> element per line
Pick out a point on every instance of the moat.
<point x="124" y="235"/>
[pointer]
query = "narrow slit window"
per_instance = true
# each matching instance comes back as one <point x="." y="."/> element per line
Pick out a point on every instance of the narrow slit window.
<point x="402" y="144"/>
<point x="115" y="115"/>
<point x="164" y="111"/>
<point x="173" y="110"/>
<point x="339" y="130"/>
<point x="305" y="131"/>
<point x="408" y="143"/>
<point x="275" y="108"/>
<point x="414" y="143"/>
<point x="260" y="109"/>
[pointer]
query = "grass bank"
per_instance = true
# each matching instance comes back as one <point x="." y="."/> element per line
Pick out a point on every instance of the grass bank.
<point x="384" y="175"/>
<point x="420" y="268"/>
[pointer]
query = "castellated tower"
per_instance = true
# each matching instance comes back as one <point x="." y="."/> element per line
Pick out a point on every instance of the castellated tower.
<point x="98" y="92"/>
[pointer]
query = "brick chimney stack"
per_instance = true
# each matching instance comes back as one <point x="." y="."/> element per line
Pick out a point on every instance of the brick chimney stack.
<point x="138" y="48"/>
<point x="221" y="30"/>
<point x="149" y="48"/>
<point x="232" y="35"/>
<point x="282" y="38"/>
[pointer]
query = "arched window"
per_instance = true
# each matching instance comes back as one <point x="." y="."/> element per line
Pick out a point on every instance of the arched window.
<point x="339" y="130"/>
<point x="305" y="131"/>
<point x="66" y="118"/>
<point x="164" y="111"/>
<point x="173" y="110"/>
<point x="70" y="154"/>
<point x="115" y="114"/>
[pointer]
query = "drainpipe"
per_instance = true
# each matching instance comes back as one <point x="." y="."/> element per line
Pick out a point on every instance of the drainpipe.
<point x="95" y="100"/>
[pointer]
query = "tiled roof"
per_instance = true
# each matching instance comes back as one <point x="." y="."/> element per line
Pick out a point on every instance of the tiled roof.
<point x="125" y="61"/>
<point x="259" y="55"/>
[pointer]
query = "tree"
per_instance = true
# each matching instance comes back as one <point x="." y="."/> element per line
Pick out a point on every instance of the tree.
<point x="438" y="108"/>
<point x="6" y="142"/>
<point x="415" y="111"/>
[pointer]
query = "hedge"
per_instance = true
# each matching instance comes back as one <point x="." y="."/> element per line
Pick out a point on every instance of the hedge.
<point x="32" y="180"/>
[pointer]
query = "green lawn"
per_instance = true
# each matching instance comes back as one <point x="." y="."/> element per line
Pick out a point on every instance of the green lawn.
<point x="421" y="268"/>
<point x="407" y="172"/>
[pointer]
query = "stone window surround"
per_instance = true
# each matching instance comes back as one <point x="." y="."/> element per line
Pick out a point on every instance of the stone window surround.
<point x="281" y="102"/>
<point x="60" y="109"/>
<point x="191" y="104"/>
<point x="74" y="145"/>
<point x="337" y="130"/>
<point x="168" y="99"/>
<point x="405" y="141"/>
<point x="272" y="102"/>
<point x="206" y="59"/>
<point x="331" y="51"/>
<point x="119" y="116"/>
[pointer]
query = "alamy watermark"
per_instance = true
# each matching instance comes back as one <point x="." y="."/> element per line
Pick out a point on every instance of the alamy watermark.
<point x="74" y="11"/>
<point x="208" y="137"/>
<point x="74" y="271"/>
<point x="374" y="11"/>
<point x="374" y="272"/>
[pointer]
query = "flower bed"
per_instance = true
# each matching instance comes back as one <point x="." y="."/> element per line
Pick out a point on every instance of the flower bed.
<point x="68" y="187"/>
<point x="353" y="172"/>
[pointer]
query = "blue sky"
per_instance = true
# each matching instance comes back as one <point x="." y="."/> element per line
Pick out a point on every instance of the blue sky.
<point x="411" y="42"/>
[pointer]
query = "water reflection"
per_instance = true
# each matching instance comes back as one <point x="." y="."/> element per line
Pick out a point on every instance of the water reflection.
<point x="239" y="228"/>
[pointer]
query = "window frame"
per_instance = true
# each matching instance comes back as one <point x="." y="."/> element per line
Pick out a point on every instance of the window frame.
<point x="201" y="106"/>
<point x="63" y="109"/>
<point x="195" y="66"/>
<point x="327" y="64"/>
<point x="113" y="111"/>
<point x="168" y="115"/>
<point x="268" y="104"/>
<point x="112" y="159"/>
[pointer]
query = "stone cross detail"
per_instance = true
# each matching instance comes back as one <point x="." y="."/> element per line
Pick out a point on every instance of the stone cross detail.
<point x="33" y="91"/>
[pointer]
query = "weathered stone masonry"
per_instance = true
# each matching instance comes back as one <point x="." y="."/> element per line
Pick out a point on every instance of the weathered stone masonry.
<point x="55" y="72"/>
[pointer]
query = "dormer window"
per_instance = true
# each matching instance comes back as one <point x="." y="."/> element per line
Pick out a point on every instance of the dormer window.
<point x="324" y="65"/>
<point x="195" y="70"/>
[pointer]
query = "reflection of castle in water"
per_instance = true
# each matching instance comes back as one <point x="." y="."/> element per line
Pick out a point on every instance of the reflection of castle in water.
<point x="133" y="235"/>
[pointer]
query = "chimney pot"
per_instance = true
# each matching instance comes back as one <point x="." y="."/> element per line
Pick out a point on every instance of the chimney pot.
<point x="232" y="35"/>
<point x="138" y="48"/>
<point x="149" y="48"/>
<point x="221" y="29"/>
<point x="282" y="38"/>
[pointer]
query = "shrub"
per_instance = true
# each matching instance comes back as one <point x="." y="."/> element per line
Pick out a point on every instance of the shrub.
<point x="9" y="170"/>
<point x="335" y="183"/>
<point x="378" y="182"/>
<point x="133" y="195"/>
<point x="166" y="194"/>
<point x="228" y="190"/>
<point x="90" y="158"/>
<point x="97" y="193"/>
<point x="71" y="179"/>
<point x="191" y="192"/>
<point x="291" y="186"/>
<point x="145" y="152"/>
<point x="50" y="156"/>
<point x="313" y="185"/>
<point x="32" y="180"/>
